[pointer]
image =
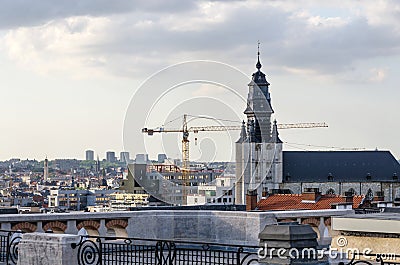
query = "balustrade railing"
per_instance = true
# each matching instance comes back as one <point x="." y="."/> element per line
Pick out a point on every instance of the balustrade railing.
<point x="111" y="250"/>
<point x="95" y="250"/>
<point x="9" y="241"/>
<point x="367" y="210"/>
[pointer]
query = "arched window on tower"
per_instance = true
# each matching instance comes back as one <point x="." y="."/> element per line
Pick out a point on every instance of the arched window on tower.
<point x="370" y="195"/>
<point x="287" y="177"/>
<point x="330" y="192"/>
<point x="350" y="192"/>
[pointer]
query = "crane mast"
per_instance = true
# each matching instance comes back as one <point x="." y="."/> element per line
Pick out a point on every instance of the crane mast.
<point x="185" y="160"/>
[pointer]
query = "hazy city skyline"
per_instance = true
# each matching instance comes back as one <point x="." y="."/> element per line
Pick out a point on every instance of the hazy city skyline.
<point x="69" y="70"/>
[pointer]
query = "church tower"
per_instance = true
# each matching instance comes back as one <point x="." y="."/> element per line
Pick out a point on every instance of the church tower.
<point x="259" y="149"/>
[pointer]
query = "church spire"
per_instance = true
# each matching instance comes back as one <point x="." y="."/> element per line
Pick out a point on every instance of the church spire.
<point x="243" y="133"/>
<point x="258" y="65"/>
<point x="275" y="134"/>
<point x="259" y="109"/>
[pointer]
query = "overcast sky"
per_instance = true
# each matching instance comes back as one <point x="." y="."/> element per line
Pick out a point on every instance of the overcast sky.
<point x="69" y="68"/>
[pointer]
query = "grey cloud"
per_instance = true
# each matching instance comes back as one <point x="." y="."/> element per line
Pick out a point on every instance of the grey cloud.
<point x="328" y="50"/>
<point x="242" y="28"/>
<point x="17" y="13"/>
<point x="287" y="40"/>
<point x="335" y="49"/>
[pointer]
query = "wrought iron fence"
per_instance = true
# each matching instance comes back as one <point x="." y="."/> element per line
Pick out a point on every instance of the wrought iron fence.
<point x="95" y="250"/>
<point x="112" y="250"/>
<point x="366" y="210"/>
<point x="9" y="241"/>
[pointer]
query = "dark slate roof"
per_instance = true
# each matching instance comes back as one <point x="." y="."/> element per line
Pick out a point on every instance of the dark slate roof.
<point x="346" y="166"/>
<point x="260" y="79"/>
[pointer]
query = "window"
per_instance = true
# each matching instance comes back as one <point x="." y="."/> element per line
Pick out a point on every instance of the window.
<point x="287" y="177"/>
<point x="350" y="192"/>
<point x="369" y="195"/>
<point x="330" y="192"/>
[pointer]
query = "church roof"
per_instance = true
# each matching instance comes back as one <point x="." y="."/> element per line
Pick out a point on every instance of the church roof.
<point x="286" y="202"/>
<point x="346" y="166"/>
<point x="259" y="77"/>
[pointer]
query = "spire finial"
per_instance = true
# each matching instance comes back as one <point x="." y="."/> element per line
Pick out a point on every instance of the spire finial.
<point x="258" y="65"/>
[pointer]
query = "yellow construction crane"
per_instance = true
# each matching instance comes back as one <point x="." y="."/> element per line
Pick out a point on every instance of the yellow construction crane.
<point x="185" y="169"/>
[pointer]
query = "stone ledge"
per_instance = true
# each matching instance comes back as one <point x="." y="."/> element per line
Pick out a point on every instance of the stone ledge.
<point x="47" y="249"/>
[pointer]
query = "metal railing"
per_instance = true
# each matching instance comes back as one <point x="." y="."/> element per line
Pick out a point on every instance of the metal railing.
<point x="9" y="241"/>
<point x="367" y="210"/>
<point x="94" y="250"/>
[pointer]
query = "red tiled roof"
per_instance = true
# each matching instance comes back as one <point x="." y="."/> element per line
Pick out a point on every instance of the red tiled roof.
<point x="294" y="202"/>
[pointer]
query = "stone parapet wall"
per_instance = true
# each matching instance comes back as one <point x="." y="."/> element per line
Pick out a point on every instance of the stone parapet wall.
<point x="230" y="227"/>
<point x="209" y="226"/>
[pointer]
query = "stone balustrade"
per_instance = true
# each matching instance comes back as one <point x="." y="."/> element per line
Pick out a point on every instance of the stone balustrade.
<point x="235" y="227"/>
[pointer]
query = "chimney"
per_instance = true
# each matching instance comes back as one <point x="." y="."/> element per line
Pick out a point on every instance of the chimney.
<point x="310" y="195"/>
<point x="251" y="200"/>
<point x="265" y="192"/>
<point x="349" y="196"/>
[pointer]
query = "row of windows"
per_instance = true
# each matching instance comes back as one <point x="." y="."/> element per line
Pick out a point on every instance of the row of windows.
<point x="345" y="164"/>
<point x="220" y="200"/>
<point x="352" y="192"/>
<point x="330" y="177"/>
